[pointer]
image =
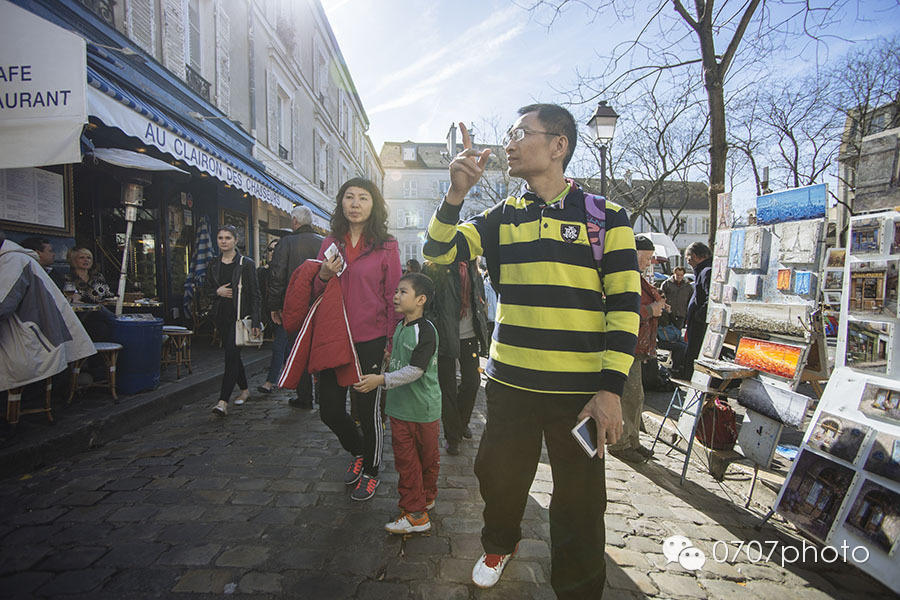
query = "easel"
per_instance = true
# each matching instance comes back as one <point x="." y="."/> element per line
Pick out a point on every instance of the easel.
<point x="698" y="393"/>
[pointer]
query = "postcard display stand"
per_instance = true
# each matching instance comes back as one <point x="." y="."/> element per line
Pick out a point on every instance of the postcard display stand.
<point x="766" y="274"/>
<point x="844" y="485"/>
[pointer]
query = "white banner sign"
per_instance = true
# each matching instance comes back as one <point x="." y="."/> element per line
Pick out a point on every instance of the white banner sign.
<point x="116" y="114"/>
<point x="42" y="90"/>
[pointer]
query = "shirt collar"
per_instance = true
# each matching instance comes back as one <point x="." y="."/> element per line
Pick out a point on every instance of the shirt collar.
<point x="561" y="198"/>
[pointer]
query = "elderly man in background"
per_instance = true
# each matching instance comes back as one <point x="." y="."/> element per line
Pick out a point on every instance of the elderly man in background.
<point x="289" y="254"/>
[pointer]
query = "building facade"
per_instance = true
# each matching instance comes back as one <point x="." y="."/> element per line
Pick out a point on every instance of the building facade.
<point x="416" y="177"/>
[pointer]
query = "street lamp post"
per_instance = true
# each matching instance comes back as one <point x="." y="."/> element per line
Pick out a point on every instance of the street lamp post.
<point x="603" y="126"/>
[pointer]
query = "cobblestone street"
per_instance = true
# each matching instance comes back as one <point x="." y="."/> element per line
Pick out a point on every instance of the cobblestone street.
<point x="253" y="505"/>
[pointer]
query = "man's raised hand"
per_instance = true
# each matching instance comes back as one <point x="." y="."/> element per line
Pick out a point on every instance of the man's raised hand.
<point x="466" y="168"/>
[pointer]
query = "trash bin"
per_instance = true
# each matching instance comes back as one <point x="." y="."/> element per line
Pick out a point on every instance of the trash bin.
<point x="138" y="366"/>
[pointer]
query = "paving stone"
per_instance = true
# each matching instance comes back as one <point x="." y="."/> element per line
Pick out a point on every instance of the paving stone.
<point x="92" y="514"/>
<point x="184" y="533"/>
<point x="204" y="581"/>
<point x="630" y="579"/>
<point x="133" y="513"/>
<point x="22" y="585"/>
<point x="426" y="545"/>
<point x="212" y="496"/>
<point x="206" y="483"/>
<point x="255" y="498"/>
<point x="626" y="558"/>
<point x="429" y="590"/>
<point x="133" y="554"/>
<point x="243" y="556"/>
<point x="316" y="586"/>
<point x="276" y="516"/>
<point x="83" y="498"/>
<point x="382" y="590"/>
<point x="295" y="499"/>
<point x="167" y="483"/>
<point x="289" y="485"/>
<point x="189" y="555"/>
<point x="39" y="517"/>
<point x="455" y="525"/>
<point x="179" y="514"/>
<point x="245" y="484"/>
<point x="72" y="559"/>
<point x="127" y="484"/>
<point x="20" y="557"/>
<point x="75" y="582"/>
<point x="260" y="583"/>
<point x="678" y="586"/>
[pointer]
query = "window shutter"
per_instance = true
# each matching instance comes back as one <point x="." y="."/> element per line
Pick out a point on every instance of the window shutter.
<point x="174" y="36"/>
<point x="223" y="59"/>
<point x="139" y="23"/>
<point x="271" y="100"/>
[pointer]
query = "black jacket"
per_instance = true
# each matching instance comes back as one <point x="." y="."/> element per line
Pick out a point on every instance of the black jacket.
<point x="289" y="254"/>
<point x="696" y="310"/>
<point x="444" y="309"/>
<point x="250" y="299"/>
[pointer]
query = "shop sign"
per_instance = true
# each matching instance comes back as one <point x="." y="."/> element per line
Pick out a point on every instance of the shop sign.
<point x="42" y="90"/>
<point x="132" y="123"/>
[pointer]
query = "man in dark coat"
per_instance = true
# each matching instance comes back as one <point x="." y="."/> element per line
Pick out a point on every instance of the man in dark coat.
<point x="700" y="258"/>
<point x="458" y="313"/>
<point x="289" y="254"/>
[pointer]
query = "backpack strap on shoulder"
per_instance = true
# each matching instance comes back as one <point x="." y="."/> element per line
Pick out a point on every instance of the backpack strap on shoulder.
<point x="595" y="222"/>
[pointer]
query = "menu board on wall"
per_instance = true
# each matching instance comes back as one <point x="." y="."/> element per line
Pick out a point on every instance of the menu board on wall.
<point x="32" y="198"/>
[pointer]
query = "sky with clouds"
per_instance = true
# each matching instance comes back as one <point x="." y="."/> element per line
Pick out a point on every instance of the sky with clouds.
<point x="420" y="65"/>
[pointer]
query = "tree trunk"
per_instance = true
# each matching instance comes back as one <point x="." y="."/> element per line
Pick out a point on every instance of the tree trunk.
<point x="718" y="147"/>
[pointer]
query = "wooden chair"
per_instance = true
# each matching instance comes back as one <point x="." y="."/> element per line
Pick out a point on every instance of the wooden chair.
<point x="14" y="401"/>
<point x="177" y="348"/>
<point x="109" y="351"/>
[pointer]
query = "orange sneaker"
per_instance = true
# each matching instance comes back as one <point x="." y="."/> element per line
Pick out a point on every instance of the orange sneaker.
<point x="409" y="523"/>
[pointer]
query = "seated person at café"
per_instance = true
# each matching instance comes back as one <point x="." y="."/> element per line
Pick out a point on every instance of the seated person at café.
<point x="90" y="285"/>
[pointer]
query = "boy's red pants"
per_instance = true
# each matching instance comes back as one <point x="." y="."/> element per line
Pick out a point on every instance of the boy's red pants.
<point x="417" y="458"/>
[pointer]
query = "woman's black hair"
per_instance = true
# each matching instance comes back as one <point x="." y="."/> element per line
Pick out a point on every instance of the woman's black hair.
<point x="230" y="229"/>
<point x="376" y="230"/>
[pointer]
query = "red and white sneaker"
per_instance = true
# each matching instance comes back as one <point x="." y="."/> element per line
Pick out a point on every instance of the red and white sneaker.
<point x="354" y="471"/>
<point x="489" y="568"/>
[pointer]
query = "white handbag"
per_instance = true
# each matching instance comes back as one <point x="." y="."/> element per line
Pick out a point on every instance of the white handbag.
<point x="243" y="327"/>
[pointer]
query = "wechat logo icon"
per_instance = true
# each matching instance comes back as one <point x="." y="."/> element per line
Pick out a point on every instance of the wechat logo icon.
<point x="677" y="548"/>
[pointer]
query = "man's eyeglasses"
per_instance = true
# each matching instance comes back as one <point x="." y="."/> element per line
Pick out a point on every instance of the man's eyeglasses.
<point x="518" y="134"/>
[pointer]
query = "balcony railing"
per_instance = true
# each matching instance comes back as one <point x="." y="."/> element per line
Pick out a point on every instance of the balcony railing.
<point x="101" y="8"/>
<point x="196" y="82"/>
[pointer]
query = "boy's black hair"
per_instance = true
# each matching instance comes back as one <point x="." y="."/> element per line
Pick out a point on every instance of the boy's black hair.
<point x="421" y="284"/>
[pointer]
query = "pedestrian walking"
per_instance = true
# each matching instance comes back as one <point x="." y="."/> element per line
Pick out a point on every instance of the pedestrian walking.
<point x="700" y="258"/>
<point x="628" y="448"/>
<point x="262" y="278"/>
<point x="567" y="322"/>
<point x="229" y="273"/>
<point x="367" y="261"/>
<point x="414" y="404"/>
<point x="290" y="252"/>
<point x="459" y="315"/>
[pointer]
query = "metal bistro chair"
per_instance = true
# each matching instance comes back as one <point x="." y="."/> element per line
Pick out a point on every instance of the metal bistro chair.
<point x="177" y="348"/>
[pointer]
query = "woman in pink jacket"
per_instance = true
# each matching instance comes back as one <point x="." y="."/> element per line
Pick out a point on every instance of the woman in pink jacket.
<point x="372" y="260"/>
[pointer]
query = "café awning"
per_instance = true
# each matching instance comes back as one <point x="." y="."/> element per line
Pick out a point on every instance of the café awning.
<point x="42" y="91"/>
<point x="133" y="160"/>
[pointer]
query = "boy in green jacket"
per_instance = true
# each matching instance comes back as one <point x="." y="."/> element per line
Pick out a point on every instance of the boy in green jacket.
<point x="414" y="405"/>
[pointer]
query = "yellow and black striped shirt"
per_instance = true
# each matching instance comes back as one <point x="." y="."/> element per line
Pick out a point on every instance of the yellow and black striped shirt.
<point x="563" y="325"/>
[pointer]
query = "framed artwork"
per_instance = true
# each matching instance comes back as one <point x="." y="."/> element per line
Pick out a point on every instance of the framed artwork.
<point x="784" y="280"/>
<point x="868" y="345"/>
<point x="736" y="251"/>
<point x="712" y="345"/>
<point x="881" y="403"/>
<point x="770" y="357"/>
<point x="835" y="258"/>
<point x="834" y="280"/>
<point x="833" y="299"/>
<point x="717" y="319"/>
<point x="838" y="436"/>
<point x="804" y="283"/>
<point x="797" y="204"/>
<point x="723" y="243"/>
<point x="720" y="270"/>
<point x="875" y="515"/>
<point x="865" y="236"/>
<point x="755" y="248"/>
<point x="727" y="294"/>
<point x="753" y="285"/>
<point x="884" y="457"/>
<point x="895" y="237"/>
<point x="873" y="287"/>
<point x="799" y="241"/>
<point x="715" y="291"/>
<point x="723" y="208"/>
<point x="814" y="493"/>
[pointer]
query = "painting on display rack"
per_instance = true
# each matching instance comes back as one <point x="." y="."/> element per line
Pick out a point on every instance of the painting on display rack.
<point x="834" y="280"/>
<point x="736" y="251"/>
<point x="720" y="270"/>
<point x="873" y="287"/>
<point x="755" y="247"/>
<point x="865" y="238"/>
<point x="723" y="204"/>
<point x="880" y="403"/>
<point x="712" y="345"/>
<point x="799" y="241"/>
<point x="796" y="204"/>
<point x="723" y="242"/>
<point x="868" y="345"/>
<point x="814" y="493"/>
<point x="771" y="357"/>
<point x="884" y="457"/>
<point x="837" y="436"/>
<point x="875" y="515"/>
<point x="836" y="257"/>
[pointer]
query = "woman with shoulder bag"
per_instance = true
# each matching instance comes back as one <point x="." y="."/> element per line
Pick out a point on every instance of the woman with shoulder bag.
<point x="228" y="277"/>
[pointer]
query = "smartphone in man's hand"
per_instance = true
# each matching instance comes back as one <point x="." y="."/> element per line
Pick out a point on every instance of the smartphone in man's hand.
<point x="585" y="434"/>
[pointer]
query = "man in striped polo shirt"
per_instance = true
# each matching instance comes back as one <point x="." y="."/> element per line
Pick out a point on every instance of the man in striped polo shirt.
<point x="563" y="343"/>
